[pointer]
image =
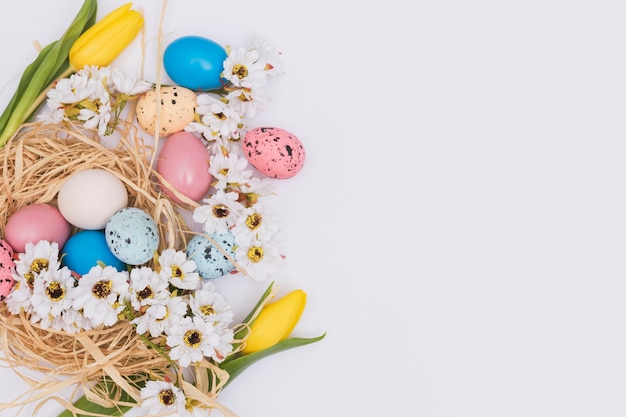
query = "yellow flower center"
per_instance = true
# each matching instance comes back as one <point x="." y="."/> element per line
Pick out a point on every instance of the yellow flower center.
<point x="207" y="310"/>
<point x="102" y="289"/>
<point x="255" y="254"/>
<point x="39" y="264"/>
<point x="55" y="291"/>
<point x="193" y="338"/>
<point x="253" y="221"/>
<point x="145" y="293"/>
<point x="220" y="116"/>
<point x="167" y="397"/>
<point x="177" y="272"/>
<point x="241" y="71"/>
<point x="220" y="211"/>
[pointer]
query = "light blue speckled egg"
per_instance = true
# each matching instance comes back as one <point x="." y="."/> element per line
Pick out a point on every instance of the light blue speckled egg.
<point x="132" y="235"/>
<point x="210" y="261"/>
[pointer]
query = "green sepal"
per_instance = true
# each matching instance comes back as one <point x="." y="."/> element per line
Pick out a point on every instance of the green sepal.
<point x="238" y="364"/>
<point x="52" y="62"/>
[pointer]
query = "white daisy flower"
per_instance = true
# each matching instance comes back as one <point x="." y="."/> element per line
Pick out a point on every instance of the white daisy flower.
<point x="243" y="68"/>
<point x="127" y="83"/>
<point x="269" y="53"/>
<point x="162" y="397"/>
<point x="52" y="293"/>
<point x="98" y="118"/>
<point x="248" y="102"/>
<point x="39" y="257"/>
<point x="219" y="213"/>
<point x="161" y="316"/>
<point x="100" y="294"/>
<point x="20" y="297"/>
<point x="194" y="339"/>
<point x="72" y="321"/>
<point x="211" y="306"/>
<point x="180" y="271"/>
<point x="228" y="169"/>
<point x="255" y="221"/>
<point x="145" y="285"/>
<point x="259" y="258"/>
<point x="222" y="119"/>
<point x="74" y="89"/>
<point x="260" y="187"/>
<point x="55" y="112"/>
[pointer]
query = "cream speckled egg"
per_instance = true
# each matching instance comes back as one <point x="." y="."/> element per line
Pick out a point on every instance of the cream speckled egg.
<point x="178" y="106"/>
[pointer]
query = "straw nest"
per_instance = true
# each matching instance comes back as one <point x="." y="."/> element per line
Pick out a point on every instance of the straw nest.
<point x="34" y="165"/>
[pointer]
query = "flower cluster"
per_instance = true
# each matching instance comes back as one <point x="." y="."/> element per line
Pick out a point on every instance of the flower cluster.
<point x="94" y="95"/>
<point x="168" y="300"/>
<point x="221" y="113"/>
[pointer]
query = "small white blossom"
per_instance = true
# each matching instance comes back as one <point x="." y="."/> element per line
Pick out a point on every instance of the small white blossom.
<point x="146" y="285"/>
<point x="219" y="213"/>
<point x="52" y="293"/>
<point x="243" y="68"/>
<point x="271" y="55"/>
<point x="100" y="294"/>
<point x="221" y="119"/>
<point x="248" y="102"/>
<point x="39" y="257"/>
<point x="20" y="297"/>
<point x="228" y="169"/>
<point x="127" y="83"/>
<point x="211" y="306"/>
<point x="161" y="397"/>
<point x="180" y="271"/>
<point x="161" y="315"/>
<point x="194" y="339"/>
<point x="258" y="258"/>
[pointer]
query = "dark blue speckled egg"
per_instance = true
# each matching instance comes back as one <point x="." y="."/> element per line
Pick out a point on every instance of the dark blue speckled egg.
<point x="210" y="261"/>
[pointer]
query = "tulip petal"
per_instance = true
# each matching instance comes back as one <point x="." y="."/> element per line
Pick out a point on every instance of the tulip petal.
<point x="97" y="29"/>
<point x="275" y="322"/>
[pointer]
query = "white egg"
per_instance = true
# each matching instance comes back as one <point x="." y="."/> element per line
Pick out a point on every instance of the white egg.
<point x="87" y="199"/>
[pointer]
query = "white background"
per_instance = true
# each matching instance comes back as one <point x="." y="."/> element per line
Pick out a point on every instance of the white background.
<point x="460" y="223"/>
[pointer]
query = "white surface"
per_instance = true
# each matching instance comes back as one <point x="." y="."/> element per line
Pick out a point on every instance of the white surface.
<point x="460" y="224"/>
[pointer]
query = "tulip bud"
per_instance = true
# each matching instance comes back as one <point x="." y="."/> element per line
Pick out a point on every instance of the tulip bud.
<point x="105" y="40"/>
<point x="275" y="322"/>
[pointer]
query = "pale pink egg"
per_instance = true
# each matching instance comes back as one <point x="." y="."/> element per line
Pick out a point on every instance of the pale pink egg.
<point x="7" y="267"/>
<point x="274" y="152"/>
<point x="36" y="222"/>
<point x="184" y="163"/>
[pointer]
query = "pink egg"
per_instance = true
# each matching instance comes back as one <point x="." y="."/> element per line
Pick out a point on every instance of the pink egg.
<point x="7" y="267"/>
<point x="274" y="152"/>
<point x="36" y="222"/>
<point x="184" y="163"/>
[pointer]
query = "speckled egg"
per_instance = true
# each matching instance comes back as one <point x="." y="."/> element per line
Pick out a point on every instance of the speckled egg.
<point x="7" y="266"/>
<point x="274" y="152"/>
<point x="210" y="261"/>
<point x="132" y="235"/>
<point x="178" y="106"/>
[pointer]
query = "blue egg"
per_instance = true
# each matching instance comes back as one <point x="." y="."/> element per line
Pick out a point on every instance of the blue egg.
<point x="85" y="249"/>
<point x="195" y="62"/>
<point x="210" y="262"/>
<point x="132" y="235"/>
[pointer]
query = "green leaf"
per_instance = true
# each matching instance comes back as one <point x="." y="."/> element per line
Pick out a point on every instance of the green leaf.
<point x="51" y="62"/>
<point x="248" y="320"/>
<point x="238" y="364"/>
<point x="89" y="407"/>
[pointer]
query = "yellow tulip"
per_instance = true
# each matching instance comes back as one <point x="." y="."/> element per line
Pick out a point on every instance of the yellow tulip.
<point x="275" y="322"/>
<point x="105" y="40"/>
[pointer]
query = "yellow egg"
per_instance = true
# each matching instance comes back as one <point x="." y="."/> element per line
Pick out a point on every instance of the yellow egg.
<point x="178" y="106"/>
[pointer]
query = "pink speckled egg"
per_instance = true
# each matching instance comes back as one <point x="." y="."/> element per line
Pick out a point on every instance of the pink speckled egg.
<point x="7" y="266"/>
<point x="36" y="222"/>
<point x="274" y="152"/>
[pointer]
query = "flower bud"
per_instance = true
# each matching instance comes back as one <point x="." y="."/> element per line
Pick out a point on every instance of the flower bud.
<point x="105" y="40"/>
<point x="275" y="322"/>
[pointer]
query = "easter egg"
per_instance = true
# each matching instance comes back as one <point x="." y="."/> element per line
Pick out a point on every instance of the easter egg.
<point x="7" y="266"/>
<point x="184" y="163"/>
<point x="195" y="62"/>
<point x="274" y="152"/>
<point x="210" y="262"/>
<point x="85" y="249"/>
<point x="36" y="222"/>
<point x="178" y="105"/>
<point x="88" y="198"/>
<point x="132" y="235"/>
